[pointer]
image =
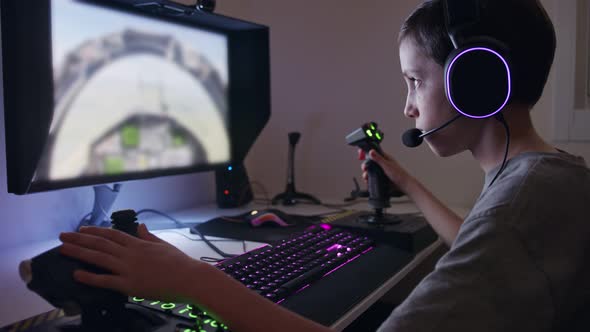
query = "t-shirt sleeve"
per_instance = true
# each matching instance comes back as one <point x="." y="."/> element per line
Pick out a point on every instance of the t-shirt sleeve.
<point x="486" y="282"/>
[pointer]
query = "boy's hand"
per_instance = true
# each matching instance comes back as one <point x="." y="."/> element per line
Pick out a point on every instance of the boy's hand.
<point x="392" y="169"/>
<point x="143" y="266"/>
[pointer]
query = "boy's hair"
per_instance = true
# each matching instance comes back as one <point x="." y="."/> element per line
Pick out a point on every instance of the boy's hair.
<point x="522" y="25"/>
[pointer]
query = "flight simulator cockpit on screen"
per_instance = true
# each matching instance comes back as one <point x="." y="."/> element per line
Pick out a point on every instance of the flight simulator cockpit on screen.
<point x="162" y="92"/>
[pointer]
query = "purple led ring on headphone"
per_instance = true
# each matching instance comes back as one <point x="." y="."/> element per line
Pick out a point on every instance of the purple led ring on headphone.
<point x="448" y="81"/>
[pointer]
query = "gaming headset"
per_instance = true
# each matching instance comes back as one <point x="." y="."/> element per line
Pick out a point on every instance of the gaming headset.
<point x="477" y="73"/>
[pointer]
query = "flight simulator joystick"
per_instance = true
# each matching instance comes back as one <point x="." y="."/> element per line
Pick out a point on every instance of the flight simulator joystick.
<point x="50" y="275"/>
<point x="381" y="189"/>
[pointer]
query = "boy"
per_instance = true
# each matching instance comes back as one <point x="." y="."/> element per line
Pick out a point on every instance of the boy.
<point x="516" y="263"/>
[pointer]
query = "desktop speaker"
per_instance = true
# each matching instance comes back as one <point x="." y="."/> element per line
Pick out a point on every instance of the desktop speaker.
<point x="232" y="186"/>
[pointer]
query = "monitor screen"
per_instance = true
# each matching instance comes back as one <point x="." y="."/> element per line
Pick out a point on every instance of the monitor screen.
<point x="133" y="94"/>
<point x="101" y="91"/>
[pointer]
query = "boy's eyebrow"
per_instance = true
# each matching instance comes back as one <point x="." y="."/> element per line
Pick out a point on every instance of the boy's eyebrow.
<point x="411" y="72"/>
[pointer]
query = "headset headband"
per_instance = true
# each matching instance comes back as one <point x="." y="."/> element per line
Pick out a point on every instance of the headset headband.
<point x="460" y="15"/>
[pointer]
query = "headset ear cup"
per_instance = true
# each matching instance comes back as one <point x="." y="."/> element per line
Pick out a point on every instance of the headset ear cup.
<point x="449" y="87"/>
<point x="477" y="79"/>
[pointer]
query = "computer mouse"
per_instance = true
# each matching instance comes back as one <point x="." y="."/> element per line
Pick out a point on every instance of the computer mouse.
<point x="269" y="217"/>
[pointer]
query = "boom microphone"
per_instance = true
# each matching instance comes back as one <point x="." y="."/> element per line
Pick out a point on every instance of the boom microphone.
<point x="414" y="137"/>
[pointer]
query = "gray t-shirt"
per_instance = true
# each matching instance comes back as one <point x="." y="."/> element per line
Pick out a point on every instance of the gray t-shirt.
<point x="521" y="259"/>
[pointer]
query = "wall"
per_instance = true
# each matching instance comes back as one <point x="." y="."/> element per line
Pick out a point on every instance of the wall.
<point x="543" y="116"/>
<point x="335" y="66"/>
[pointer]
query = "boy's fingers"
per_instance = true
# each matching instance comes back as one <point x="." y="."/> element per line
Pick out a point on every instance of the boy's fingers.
<point x="92" y="242"/>
<point x="382" y="156"/>
<point x="376" y="157"/>
<point x="97" y="258"/>
<point x="114" y="235"/>
<point x="98" y="280"/>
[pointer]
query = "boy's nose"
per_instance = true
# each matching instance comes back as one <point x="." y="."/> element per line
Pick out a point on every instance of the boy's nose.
<point x="410" y="111"/>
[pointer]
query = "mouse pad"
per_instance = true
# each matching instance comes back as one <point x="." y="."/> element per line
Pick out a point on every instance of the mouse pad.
<point x="240" y="229"/>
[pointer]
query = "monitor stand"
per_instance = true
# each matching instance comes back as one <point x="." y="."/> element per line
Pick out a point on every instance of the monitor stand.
<point x="104" y="197"/>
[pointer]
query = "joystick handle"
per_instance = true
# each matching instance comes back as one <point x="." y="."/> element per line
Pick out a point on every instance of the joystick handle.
<point x="379" y="185"/>
<point x="368" y="137"/>
<point x="124" y="220"/>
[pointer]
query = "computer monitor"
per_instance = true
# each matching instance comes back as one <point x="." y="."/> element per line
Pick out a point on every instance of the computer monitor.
<point x="103" y="91"/>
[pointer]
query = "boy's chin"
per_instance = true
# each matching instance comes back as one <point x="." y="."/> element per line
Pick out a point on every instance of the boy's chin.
<point x="443" y="151"/>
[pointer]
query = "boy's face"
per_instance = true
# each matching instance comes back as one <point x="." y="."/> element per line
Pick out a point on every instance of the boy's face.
<point x="427" y="104"/>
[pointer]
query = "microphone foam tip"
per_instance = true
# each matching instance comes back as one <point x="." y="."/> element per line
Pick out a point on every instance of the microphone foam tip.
<point x="411" y="138"/>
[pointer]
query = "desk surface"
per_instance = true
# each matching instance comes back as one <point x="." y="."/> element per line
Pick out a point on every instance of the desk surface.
<point x="17" y="302"/>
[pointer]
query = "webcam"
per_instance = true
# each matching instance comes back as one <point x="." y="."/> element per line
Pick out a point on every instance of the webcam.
<point x="202" y="5"/>
<point x="178" y="7"/>
<point x="206" y="5"/>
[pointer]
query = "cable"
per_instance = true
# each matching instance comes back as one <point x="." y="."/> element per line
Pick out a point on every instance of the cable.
<point x="84" y="222"/>
<point x="194" y="229"/>
<point x="192" y="238"/>
<point x="204" y="258"/>
<point x="500" y="117"/>
<point x="178" y="223"/>
<point x="81" y="222"/>
<point x="211" y="259"/>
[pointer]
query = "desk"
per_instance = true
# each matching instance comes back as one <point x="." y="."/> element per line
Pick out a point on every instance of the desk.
<point x="17" y="302"/>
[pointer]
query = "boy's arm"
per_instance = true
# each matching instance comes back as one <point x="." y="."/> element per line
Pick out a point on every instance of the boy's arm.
<point x="240" y="308"/>
<point x="445" y="222"/>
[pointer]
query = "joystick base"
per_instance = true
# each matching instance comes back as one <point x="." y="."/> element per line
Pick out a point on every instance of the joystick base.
<point x="377" y="219"/>
<point x="408" y="231"/>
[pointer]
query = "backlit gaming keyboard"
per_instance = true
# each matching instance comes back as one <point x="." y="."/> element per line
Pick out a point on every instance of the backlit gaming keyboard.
<point x="277" y="271"/>
<point x="290" y="266"/>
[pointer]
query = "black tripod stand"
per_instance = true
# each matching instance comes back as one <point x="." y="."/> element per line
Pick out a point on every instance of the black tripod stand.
<point x="291" y="196"/>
